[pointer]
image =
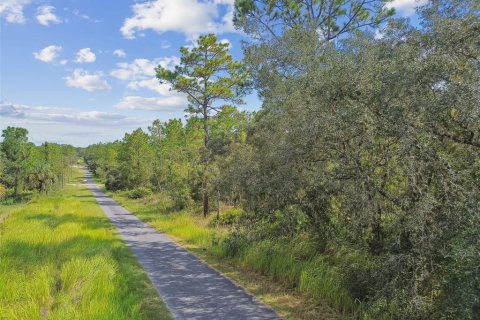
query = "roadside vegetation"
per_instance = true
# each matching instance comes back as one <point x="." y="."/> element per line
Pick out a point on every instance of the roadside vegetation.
<point x="26" y="169"/>
<point x="357" y="183"/>
<point x="60" y="258"/>
<point x="287" y="276"/>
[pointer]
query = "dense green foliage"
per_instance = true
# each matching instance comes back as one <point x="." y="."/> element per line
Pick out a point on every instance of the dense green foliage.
<point x="168" y="158"/>
<point x="25" y="167"/>
<point x="366" y="147"/>
<point x="61" y="258"/>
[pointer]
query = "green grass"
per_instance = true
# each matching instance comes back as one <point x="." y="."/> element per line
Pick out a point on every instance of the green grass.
<point x="6" y="210"/>
<point x="60" y="258"/>
<point x="287" y="275"/>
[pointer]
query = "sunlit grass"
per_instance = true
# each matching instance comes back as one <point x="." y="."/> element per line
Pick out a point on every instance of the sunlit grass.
<point x="60" y="258"/>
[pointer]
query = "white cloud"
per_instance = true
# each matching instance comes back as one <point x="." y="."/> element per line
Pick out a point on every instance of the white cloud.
<point x="45" y="15"/>
<point x="406" y="7"/>
<point x="13" y="10"/>
<point x="151" y="84"/>
<point x="143" y="68"/>
<point x="166" y="104"/>
<point x="87" y="81"/>
<point x="191" y="17"/>
<point x="140" y="73"/>
<point x="226" y="41"/>
<point x="83" y="16"/>
<point x="48" y="54"/>
<point x="120" y="53"/>
<point x="85" y="55"/>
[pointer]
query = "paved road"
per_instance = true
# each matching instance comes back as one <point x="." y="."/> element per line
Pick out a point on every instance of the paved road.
<point x="191" y="289"/>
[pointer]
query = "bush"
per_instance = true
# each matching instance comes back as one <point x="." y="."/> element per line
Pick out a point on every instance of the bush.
<point x="8" y="201"/>
<point x="360" y="281"/>
<point x="138" y="193"/>
<point x="233" y="246"/>
<point x="180" y="195"/>
<point x="227" y="218"/>
<point x="113" y="180"/>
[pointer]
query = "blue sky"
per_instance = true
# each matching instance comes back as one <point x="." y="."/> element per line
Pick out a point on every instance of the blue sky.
<point x="81" y="71"/>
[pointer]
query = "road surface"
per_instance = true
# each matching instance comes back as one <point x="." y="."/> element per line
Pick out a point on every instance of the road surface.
<point x="190" y="288"/>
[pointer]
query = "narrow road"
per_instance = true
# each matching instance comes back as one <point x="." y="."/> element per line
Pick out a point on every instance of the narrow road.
<point x="190" y="288"/>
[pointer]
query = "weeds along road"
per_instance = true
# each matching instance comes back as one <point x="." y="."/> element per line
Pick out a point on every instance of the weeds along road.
<point x="190" y="288"/>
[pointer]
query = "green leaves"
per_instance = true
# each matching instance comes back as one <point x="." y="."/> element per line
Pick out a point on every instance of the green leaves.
<point x="206" y="73"/>
<point x="30" y="167"/>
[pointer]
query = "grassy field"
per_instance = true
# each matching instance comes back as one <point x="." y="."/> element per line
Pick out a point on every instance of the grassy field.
<point x="274" y="272"/>
<point x="60" y="258"/>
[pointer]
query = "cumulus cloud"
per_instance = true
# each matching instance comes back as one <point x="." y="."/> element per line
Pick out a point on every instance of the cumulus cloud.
<point x="87" y="81"/>
<point x="140" y="73"/>
<point x="12" y="10"/>
<point x="190" y="17"/>
<point x="165" y="104"/>
<point x="48" y="54"/>
<point x="406" y="7"/>
<point x="119" y="53"/>
<point x="46" y="15"/>
<point x="85" y="55"/>
<point x="143" y="68"/>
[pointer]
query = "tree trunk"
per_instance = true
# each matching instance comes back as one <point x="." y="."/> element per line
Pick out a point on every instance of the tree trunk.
<point x="205" y="196"/>
<point x="15" y="192"/>
<point x="205" y="168"/>
<point x="218" y="205"/>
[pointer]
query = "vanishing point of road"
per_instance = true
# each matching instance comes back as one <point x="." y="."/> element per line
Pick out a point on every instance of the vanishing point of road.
<point x="191" y="289"/>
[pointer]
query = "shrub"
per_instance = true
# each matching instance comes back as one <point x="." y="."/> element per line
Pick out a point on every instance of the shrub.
<point x="227" y="218"/>
<point x="234" y="245"/>
<point x="8" y="201"/>
<point x="139" y="192"/>
<point x="180" y="195"/>
<point x="113" y="180"/>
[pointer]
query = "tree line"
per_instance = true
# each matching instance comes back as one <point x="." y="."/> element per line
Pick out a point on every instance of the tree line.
<point x="366" y="144"/>
<point x="27" y="167"/>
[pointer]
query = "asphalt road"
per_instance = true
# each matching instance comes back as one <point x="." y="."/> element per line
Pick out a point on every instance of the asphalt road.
<point x="190" y="288"/>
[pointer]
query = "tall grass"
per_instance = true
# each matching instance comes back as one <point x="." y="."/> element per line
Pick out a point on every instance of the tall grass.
<point x="60" y="258"/>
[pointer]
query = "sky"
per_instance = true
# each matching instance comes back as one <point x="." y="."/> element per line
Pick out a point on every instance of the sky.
<point x="82" y="71"/>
